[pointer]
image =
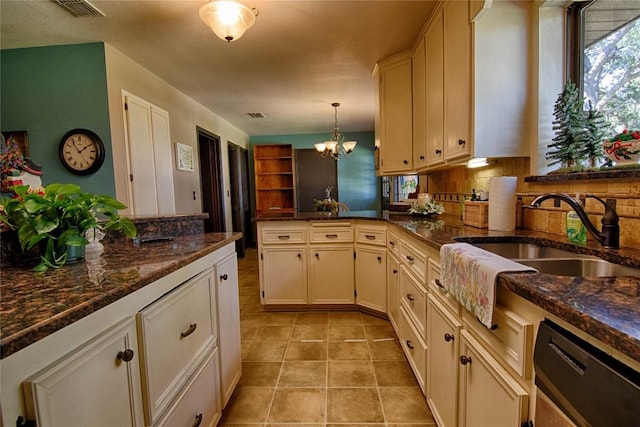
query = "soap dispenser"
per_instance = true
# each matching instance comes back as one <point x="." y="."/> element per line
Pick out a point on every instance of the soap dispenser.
<point x="576" y="230"/>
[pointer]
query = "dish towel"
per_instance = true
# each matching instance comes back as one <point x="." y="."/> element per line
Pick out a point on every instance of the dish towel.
<point x="469" y="273"/>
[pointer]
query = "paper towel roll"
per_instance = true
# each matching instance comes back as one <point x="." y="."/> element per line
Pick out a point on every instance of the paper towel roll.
<point x="502" y="203"/>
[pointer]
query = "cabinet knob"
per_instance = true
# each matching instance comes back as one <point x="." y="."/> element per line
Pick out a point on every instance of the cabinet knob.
<point x="410" y="344"/>
<point x="410" y="259"/>
<point x="317" y="256"/>
<point x="406" y="162"/>
<point x="392" y="243"/>
<point x="421" y="157"/>
<point x="448" y="337"/>
<point x="438" y="152"/>
<point x="224" y="277"/>
<point x="465" y="360"/>
<point x="461" y="142"/>
<point x="198" y="420"/>
<point x="410" y="297"/>
<point x="379" y="259"/>
<point x="299" y="256"/>
<point x="395" y="271"/>
<point x="125" y="356"/>
<point x="192" y="329"/>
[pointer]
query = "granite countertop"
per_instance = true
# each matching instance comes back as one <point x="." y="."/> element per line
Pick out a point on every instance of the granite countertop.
<point x="34" y="305"/>
<point x="606" y="308"/>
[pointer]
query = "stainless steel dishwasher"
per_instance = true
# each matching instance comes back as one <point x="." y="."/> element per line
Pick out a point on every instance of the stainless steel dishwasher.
<point x="590" y="387"/>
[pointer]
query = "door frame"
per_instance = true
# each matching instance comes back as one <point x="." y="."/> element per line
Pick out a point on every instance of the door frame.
<point x="211" y="178"/>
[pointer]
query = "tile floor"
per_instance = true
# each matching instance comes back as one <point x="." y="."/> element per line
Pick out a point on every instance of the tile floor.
<point x="319" y="368"/>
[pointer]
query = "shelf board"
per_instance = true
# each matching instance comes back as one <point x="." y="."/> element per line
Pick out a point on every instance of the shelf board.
<point x="276" y="189"/>
<point x="274" y="173"/>
<point x="275" y="158"/>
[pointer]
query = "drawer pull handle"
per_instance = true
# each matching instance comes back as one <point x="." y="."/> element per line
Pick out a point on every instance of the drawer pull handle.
<point x="198" y="420"/>
<point x="439" y="283"/>
<point x="284" y="237"/>
<point x="465" y="360"/>
<point x="448" y="337"/>
<point x="461" y="142"/>
<point x="392" y="243"/>
<point x="395" y="271"/>
<point x="224" y="277"/>
<point x="438" y="152"/>
<point x="410" y="258"/>
<point x="192" y="328"/>
<point x="331" y="236"/>
<point x="410" y="345"/>
<point x="410" y="297"/>
<point x="370" y="236"/>
<point x="125" y="356"/>
<point x="379" y="259"/>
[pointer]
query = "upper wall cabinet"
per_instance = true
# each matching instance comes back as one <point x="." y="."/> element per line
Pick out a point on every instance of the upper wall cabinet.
<point x="395" y="105"/>
<point x="419" y="90"/>
<point x="434" y="76"/>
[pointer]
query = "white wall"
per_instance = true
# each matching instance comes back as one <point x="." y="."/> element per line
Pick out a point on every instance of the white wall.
<point x="184" y="115"/>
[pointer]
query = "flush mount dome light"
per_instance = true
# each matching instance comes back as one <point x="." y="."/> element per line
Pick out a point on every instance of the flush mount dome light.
<point x="228" y="19"/>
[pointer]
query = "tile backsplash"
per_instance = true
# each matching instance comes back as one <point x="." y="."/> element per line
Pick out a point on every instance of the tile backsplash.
<point x="452" y="185"/>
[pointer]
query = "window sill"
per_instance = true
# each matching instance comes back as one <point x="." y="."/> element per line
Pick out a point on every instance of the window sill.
<point x="585" y="176"/>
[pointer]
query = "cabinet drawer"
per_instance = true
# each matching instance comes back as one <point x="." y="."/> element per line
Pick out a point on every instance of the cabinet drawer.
<point x="284" y="236"/>
<point x="394" y="243"/>
<point x="413" y="297"/>
<point x="416" y="260"/>
<point x="199" y="401"/>
<point x="414" y="348"/>
<point x="331" y="234"/>
<point x="173" y="332"/>
<point x="438" y="290"/>
<point x="372" y="235"/>
<point x="511" y="340"/>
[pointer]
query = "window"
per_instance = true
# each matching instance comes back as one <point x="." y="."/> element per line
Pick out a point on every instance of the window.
<point x="604" y="57"/>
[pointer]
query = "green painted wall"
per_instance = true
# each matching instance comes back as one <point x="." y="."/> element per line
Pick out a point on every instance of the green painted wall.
<point x="358" y="186"/>
<point x="48" y="91"/>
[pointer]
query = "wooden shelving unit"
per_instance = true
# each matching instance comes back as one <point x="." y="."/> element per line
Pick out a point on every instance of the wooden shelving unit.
<point x="274" y="178"/>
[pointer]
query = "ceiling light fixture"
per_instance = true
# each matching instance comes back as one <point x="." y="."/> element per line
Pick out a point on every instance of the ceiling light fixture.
<point x="228" y="19"/>
<point x="336" y="146"/>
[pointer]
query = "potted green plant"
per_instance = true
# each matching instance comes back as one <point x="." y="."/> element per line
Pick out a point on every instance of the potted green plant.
<point x="57" y="220"/>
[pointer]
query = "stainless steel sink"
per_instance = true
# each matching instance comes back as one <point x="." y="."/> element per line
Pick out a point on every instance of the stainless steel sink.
<point x="526" y="251"/>
<point x="580" y="267"/>
<point x="550" y="260"/>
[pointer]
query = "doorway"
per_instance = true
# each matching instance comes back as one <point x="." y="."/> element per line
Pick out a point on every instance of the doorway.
<point x="240" y="208"/>
<point x="211" y="181"/>
<point x="314" y="175"/>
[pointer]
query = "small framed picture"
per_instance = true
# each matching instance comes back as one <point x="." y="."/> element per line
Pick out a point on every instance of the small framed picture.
<point x="184" y="157"/>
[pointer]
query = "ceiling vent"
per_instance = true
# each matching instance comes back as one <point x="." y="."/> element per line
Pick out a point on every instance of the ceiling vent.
<point x="79" y="7"/>
<point x="257" y="115"/>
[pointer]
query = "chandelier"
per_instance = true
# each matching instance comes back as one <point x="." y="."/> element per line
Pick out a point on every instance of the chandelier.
<point x="228" y="19"/>
<point x="336" y="145"/>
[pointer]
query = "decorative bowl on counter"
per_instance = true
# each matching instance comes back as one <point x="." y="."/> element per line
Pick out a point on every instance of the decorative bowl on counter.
<point x="623" y="148"/>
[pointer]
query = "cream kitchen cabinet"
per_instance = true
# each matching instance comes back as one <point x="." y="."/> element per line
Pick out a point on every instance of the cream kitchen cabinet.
<point x="434" y="74"/>
<point x="371" y="266"/>
<point x="393" y="289"/>
<point x="97" y="383"/>
<point x="419" y="92"/>
<point x="283" y="275"/>
<point x="488" y="394"/>
<point x="395" y="113"/>
<point x="442" y="362"/>
<point x="331" y="274"/>
<point x="228" y="324"/>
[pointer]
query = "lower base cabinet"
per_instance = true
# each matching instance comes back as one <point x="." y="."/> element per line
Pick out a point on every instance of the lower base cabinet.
<point x="371" y="270"/>
<point x="198" y="404"/>
<point x="443" y="362"/>
<point x="95" y="384"/>
<point x="489" y="396"/>
<point x="331" y="276"/>
<point x="393" y="289"/>
<point x="414" y="348"/>
<point x="283" y="275"/>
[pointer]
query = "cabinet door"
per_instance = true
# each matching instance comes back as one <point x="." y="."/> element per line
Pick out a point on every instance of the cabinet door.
<point x="285" y="275"/>
<point x="96" y="384"/>
<point x="489" y="396"/>
<point x="434" y="40"/>
<point x="442" y="363"/>
<point x="418" y="65"/>
<point x="457" y="67"/>
<point x="393" y="289"/>
<point x="371" y="266"/>
<point x="228" y="309"/>
<point x="331" y="276"/>
<point x="396" y="116"/>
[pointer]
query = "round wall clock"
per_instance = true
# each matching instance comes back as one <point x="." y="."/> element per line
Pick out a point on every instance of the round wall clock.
<point x="81" y="151"/>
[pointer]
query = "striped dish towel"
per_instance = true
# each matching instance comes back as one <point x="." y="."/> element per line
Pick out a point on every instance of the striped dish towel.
<point x="469" y="273"/>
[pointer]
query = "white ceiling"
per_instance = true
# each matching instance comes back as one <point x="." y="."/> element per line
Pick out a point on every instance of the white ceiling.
<point x="298" y="58"/>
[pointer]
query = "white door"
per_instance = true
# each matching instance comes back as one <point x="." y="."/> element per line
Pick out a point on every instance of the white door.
<point x="148" y="145"/>
<point x="331" y="277"/>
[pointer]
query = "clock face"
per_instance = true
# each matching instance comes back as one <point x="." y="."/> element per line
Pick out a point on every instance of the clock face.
<point x="81" y="151"/>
